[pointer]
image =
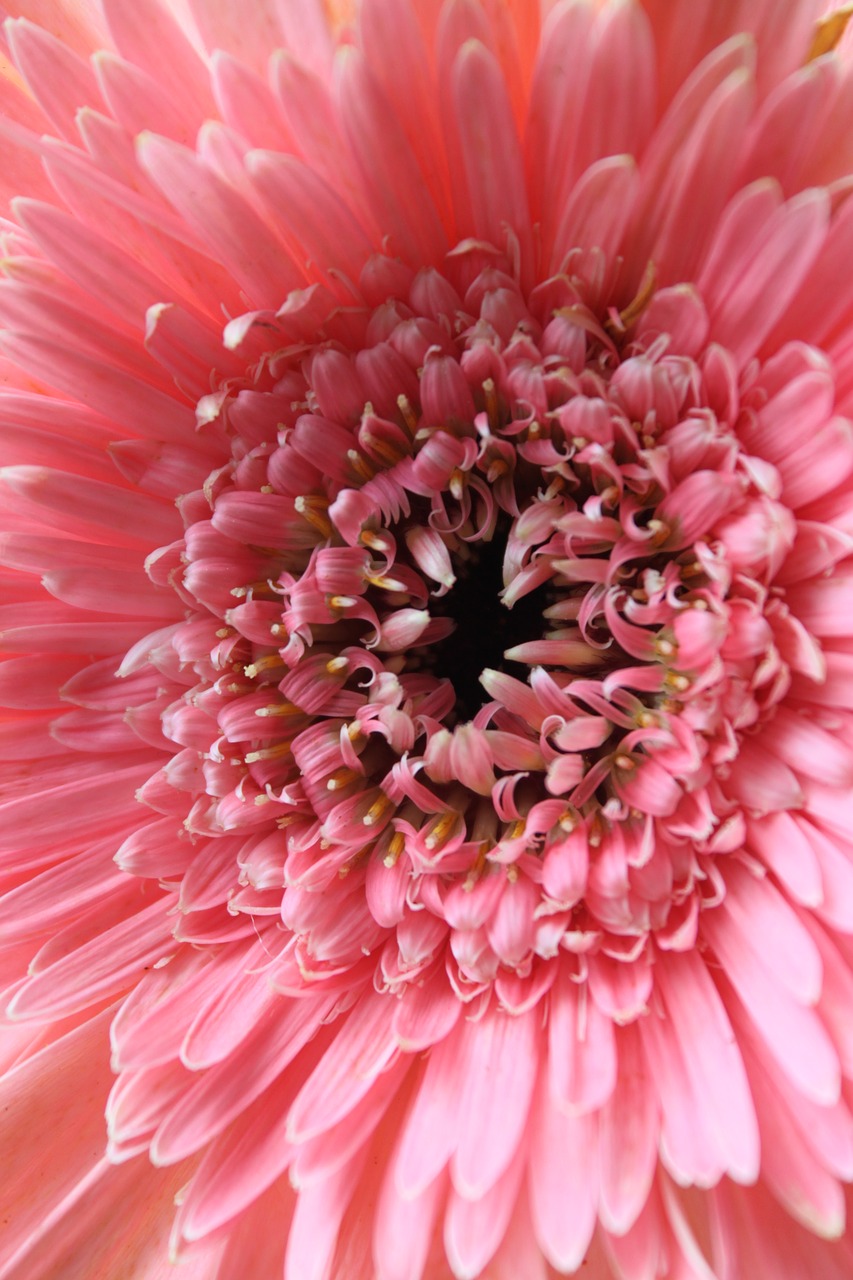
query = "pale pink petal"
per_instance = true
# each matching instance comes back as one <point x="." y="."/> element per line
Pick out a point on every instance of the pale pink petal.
<point x="563" y="1192"/>
<point x="224" y="219"/>
<point x="581" y="1050"/>
<point x="503" y="1050"/>
<point x="793" y="1032"/>
<point x="743" y="315"/>
<point x="627" y="1139"/>
<point x="60" y="81"/>
<point x="425" y="700"/>
<point x="473" y="1229"/>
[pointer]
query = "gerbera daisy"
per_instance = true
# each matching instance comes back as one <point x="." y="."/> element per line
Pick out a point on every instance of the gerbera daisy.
<point x="427" y="545"/>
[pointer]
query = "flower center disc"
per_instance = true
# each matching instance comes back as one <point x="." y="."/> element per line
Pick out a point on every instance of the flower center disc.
<point x="509" y="613"/>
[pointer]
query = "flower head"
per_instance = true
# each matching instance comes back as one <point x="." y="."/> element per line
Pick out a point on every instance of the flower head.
<point x="428" y="570"/>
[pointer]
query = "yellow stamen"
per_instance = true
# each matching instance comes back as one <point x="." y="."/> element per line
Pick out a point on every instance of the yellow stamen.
<point x="277" y="752"/>
<point x="313" y="512"/>
<point x="828" y="31"/>
<point x="458" y="481"/>
<point x="440" y="830"/>
<point x="596" y="831"/>
<point x="377" y="811"/>
<point x="360" y="465"/>
<point x="278" y="709"/>
<point x="263" y="664"/>
<point x="375" y="541"/>
<point x="490" y="392"/>
<point x="396" y="845"/>
<point x="387" y="584"/>
<point x="390" y="453"/>
<point x="407" y="413"/>
<point x="659" y="531"/>
<point x="340" y="778"/>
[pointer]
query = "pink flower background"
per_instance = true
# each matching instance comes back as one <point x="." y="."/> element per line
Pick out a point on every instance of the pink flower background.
<point x="427" y="564"/>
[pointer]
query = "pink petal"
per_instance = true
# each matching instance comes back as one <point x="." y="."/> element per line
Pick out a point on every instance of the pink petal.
<point x="563" y="1192"/>
<point x="793" y="1033"/>
<point x="503" y="1050"/>
<point x="713" y="1060"/>
<point x="756" y="241"/>
<point x="223" y="219"/>
<point x="473" y="1229"/>
<point x="581" y="1049"/>
<point x="492" y="154"/>
<point x="627" y="1139"/>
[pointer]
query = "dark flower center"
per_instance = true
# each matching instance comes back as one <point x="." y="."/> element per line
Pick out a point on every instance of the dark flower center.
<point x="484" y="627"/>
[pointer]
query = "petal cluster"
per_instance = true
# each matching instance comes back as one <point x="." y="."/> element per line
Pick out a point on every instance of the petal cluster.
<point x="427" y="556"/>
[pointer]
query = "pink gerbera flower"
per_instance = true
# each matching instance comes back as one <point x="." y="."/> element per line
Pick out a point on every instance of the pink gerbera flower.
<point x="428" y="579"/>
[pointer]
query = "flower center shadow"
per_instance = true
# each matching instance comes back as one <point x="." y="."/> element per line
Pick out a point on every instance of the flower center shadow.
<point x="484" y="628"/>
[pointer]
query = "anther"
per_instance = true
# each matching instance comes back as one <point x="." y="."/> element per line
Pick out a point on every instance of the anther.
<point x="313" y="511"/>
<point x="277" y="752"/>
<point x="340" y="778"/>
<point x="396" y="846"/>
<point x="439" y="830"/>
<point x="377" y="811"/>
<point x="263" y="664"/>
<point x="360" y="465"/>
<point x="458" y="481"/>
<point x="375" y="541"/>
<point x="491" y="395"/>
<point x="659" y="531"/>
<point x="407" y="413"/>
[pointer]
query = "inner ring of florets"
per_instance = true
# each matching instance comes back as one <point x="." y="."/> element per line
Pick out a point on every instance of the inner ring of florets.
<point x="590" y="468"/>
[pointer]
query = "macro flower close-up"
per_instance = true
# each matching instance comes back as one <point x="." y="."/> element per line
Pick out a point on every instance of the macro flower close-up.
<point x="426" y="640"/>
